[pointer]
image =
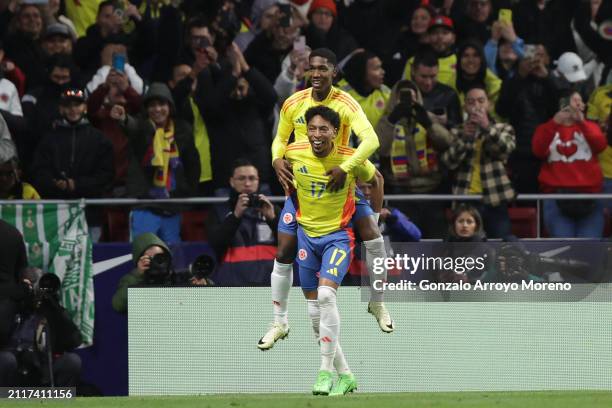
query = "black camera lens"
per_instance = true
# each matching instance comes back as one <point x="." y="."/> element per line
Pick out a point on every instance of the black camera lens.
<point x="160" y="259"/>
<point x="254" y="200"/>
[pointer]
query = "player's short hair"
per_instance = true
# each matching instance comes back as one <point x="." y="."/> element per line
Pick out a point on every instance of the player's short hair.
<point x="326" y="113"/>
<point x="325" y="53"/>
<point x="426" y="58"/>
<point x="241" y="162"/>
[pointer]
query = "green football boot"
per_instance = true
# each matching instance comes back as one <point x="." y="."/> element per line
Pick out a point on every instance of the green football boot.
<point x="324" y="383"/>
<point x="346" y="383"/>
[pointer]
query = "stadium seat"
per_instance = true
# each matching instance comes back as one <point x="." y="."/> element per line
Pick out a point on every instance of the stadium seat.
<point x="117" y="227"/>
<point x="524" y="221"/>
<point x="193" y="225"/>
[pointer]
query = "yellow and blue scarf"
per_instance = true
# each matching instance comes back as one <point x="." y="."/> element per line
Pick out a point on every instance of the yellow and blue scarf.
<point x="164" y="160"/>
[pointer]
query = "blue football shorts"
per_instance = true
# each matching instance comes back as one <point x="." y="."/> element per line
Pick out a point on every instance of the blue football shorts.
<point x="328" y="256"/>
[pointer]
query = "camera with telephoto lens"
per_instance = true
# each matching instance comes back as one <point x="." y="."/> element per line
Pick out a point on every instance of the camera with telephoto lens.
<point x="202" y="267"/>
<point x="160" y="269"/>
<point x="405" y="96"/>
<point x="255" y="201"/>
<point x="46" y="293"/>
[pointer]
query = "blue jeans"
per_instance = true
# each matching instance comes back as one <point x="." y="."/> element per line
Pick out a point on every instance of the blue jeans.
<point x="167" y="228"/>
<point x="561" y="226"/>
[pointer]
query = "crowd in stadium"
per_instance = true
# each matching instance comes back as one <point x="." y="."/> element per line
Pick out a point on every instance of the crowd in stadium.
<point x="487" y="97"/>
<point x="156" y="99"/>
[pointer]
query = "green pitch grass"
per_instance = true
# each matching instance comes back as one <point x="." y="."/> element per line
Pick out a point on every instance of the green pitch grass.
<point x="540" y="399"/>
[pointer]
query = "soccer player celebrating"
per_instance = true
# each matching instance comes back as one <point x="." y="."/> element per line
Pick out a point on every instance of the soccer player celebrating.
<point x="324" y="236"/>
<point x="322" y="69"/>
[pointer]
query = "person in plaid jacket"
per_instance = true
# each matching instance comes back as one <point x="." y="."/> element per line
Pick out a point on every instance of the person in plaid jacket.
<point x="478" y="153"/>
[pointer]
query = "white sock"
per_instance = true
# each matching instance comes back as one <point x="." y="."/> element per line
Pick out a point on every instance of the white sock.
<point x="314" y="313"/>
<point x="329" y="326"/>
<point x="281" y="281"/>
<point x="375" y="248"/>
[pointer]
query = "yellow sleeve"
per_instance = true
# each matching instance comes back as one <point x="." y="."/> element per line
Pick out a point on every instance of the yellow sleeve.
<point x="493" y="84"/>
<point x="365" y="171"/>
<point x="368" y="141"/>
<point x="408" y="68"/>
<point x="285" y="127"/>
<point x="592" y="108"/>
<point x="29" y="192"/>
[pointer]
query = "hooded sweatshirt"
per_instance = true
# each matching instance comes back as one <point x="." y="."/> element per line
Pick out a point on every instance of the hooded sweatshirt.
<point x="139" y="246"/>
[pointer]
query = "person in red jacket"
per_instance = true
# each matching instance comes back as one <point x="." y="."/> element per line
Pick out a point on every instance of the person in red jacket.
<point x="568" y="145"/>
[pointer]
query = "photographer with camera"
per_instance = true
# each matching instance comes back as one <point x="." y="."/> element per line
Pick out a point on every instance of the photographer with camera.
<point x="410" y="146"/>
<point x="144" y="248"/>
<point x="41" y="337"/>
<point x="153" y="260"/>
<point x="478" y="155"/>
<point x="242" y="231"/>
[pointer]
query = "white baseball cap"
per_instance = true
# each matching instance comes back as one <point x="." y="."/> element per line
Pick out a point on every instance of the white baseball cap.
<point x="570" y="66"/>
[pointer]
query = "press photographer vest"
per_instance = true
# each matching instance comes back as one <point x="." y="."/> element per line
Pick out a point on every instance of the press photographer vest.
<point x="250" y="256"/>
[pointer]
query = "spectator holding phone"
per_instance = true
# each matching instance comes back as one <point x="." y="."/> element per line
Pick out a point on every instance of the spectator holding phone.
<point x="568" y="146"/>
<point x="478" y="154"/>
<point x="410" y="148"/>
<point x="116" y="90"/>
<point x="293" y="74"/>
<point x="88" y="49"/>
<point x="223" y="96"/>
<point x="164" y="162"/>
<point x="269" y="48"/>
<point x="114" y="57"/>
<point x="264" y="16"/>
<point x="504" y="49"/>
<point x="527" y="100"/>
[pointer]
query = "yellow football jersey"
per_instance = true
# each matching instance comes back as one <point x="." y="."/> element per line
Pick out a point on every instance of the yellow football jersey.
<point x="352" y="118"/>
<point x="319" y="211"/>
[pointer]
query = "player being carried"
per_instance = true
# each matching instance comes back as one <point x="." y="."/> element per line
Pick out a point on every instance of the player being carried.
<point x="322" y="69"/>
<point x="324" y="236"/>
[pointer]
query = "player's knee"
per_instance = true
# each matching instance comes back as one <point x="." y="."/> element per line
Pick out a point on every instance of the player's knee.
<point x="326" y="296"/>
<point x="367" y="228"/>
